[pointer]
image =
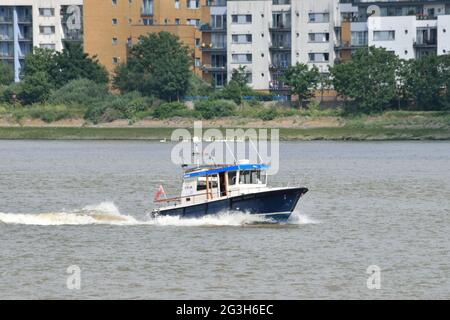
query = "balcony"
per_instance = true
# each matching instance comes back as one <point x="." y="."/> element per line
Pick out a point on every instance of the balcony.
<point x="214" y="68"/>
<point x="281" y="46"/>
<point x="207" y="27"/>
<point x="216" y="3"/>
<point x="280" y="27"/>
<point x="214" y="47"/>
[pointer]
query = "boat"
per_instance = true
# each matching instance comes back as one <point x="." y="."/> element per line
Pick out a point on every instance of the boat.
<point x="240" y="187"/>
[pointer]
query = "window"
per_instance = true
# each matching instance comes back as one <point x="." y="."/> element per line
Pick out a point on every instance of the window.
<point x="46" y="30"/>
<point x="193" y="4"/>
<point x="318" y="57"/>
<point x="114" y="2"/>
<point x="46" y="12"/>
<point x="241" y="38"/>
<point x="177" y="4"/>
<point x="384" y="35"/>
<point x="251" y="177"/>
<point x="319" y="37"/>
<point x="114" y="21"/>
<point x="201" y="183"/>
<point x="319" y="17"/>
<point x="50" y="46"/>
<point x="147" y="22"/>
<point x="115" y="60"/>
<point x="241" y="18"/>
<point x="218" y="21"/>
<point x="177" y="21"/>
<point x="241" y="58"/>
<point x="232" y="178"/>
<point x="197" y="62"/>
<point x="193" y="22"/>
<point x="147" y="7"/>
<point x="114" y="41"/>
<point x="359" y="38"/>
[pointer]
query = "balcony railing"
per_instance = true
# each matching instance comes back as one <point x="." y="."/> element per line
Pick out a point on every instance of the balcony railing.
<point x="220" y="46"/>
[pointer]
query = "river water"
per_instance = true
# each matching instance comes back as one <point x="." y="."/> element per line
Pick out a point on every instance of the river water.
<point x="86" y="204"/>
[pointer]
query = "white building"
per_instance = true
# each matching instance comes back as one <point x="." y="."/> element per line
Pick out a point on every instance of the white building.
<point x="409" y="37"/>
<point x="25" y="24"/>
<point x="266" y="36"/>
<point x="313" y="35"/>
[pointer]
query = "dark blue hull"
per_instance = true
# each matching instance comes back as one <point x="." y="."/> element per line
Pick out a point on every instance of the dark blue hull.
<point x="274" y="204"/>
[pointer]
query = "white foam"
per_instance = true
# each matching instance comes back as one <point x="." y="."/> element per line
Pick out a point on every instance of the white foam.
<point x="300" y="218"/>
<point x="106" y="213"/>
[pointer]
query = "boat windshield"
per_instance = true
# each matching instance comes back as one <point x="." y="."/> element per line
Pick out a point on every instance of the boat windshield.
<point x="251" y="177"/>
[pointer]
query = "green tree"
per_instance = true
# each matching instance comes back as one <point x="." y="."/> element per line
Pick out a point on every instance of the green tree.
<point x="6" y="74"/>
<point x="40" y="60"/>
<point x="425" y="82"/>
<point x="237" y="87"/>
<point x="62" y="67"/>
<point x="302" y="80"/>
<point x="159" y="65"/>
<point x="72" y="63"/>
<point x="368" y="81"/>
<point x="35" y="88"/>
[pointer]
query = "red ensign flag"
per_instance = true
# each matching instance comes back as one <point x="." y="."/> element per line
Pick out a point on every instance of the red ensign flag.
<point x="159" y="192"/>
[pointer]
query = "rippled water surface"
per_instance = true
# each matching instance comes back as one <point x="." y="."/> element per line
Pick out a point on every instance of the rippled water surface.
<point x="87" y="204"/>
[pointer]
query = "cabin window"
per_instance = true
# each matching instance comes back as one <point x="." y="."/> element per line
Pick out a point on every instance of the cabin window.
<point x="232" y="178"/>
<point x="251" y="177"/>
<point x="201" y="183"/>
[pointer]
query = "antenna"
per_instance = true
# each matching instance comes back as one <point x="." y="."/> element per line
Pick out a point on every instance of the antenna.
<point x="256" y="149"/>
<point x="229" y="149"/>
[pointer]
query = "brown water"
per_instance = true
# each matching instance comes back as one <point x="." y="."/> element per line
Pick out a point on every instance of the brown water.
<point x="86" y="204"/>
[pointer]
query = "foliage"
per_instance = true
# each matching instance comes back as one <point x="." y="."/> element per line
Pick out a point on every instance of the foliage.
<point x="171" y="109"/>
<point x="7" y="93"/>
<point x="35" y="88"/>
<point x="268" y="114"/>
<point x="116" y="107"/>
<point x="368" y="80"/>
<point x="198" y="87"/>
<point x="79" y="92"/>
<point x="426" y="82"/>
<point x="72" y="63"/>
<point x="236" y="88"/>
<point x="62" y="67"/>
<point x="6" y="74"/>
<point x="302" y="80"/>
<point x="209" y="109"/>
<point x="159" y="65"/>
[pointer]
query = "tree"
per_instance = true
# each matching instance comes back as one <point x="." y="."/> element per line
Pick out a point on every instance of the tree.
<point x="426" y="81"/>
<point x="72" y="63"/>
<point x="237" y="87"/>
<point x="302" y="80"/>
<point x="40" y="60"/>
<point x="159" y="65"/>
<point x="6" y="74"/>
<point x="35" y="88"/>
<point x="62" y="67"/>
<point x="368" y="81"/>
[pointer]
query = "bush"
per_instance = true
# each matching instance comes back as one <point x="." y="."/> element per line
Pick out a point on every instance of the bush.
<point x="171" y="109"/>
<point x="215" y="108"/>
<point x="7" y="93"/>
<point x="118" y="107"/>
<point x="43" y="112"/>
<point x="79" y="92"/>
<point x="268" y="114"/>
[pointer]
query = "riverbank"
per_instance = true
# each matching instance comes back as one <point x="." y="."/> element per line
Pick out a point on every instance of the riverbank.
<point x="394" y="125"/>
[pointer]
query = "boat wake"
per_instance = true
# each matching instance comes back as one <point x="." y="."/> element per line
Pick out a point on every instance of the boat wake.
<point x="106" y="213"/>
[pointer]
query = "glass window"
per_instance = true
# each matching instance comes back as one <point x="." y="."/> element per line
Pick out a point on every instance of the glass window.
<point x="232" y="178"/>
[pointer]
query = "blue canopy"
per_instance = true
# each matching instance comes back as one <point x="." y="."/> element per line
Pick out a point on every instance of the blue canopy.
<point x="226" y="169"/>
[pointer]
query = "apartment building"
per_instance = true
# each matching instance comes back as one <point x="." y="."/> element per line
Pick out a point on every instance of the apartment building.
<point x="25" y="24"/>
<point x="410" y="29"/>
<point x="267" y="36"/>
<point x="113" y="26"/>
